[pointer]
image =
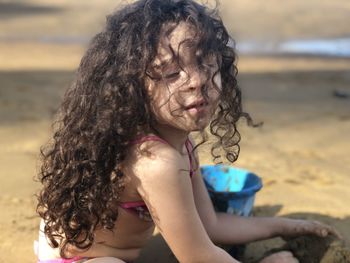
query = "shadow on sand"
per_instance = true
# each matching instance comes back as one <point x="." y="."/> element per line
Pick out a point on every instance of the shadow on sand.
<point x="13" y="10"/>
<point x="307" y="249"/>
<point x="31" y="96"/>
<point x="36" y="95"/>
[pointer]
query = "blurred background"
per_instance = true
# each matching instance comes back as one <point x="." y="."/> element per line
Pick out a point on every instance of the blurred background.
<point x="294" y="72"/>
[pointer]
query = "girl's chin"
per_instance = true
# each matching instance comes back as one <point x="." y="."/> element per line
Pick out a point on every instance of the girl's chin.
<point x="188" y="125"/>
<point x="200" y="125"/>
<point x="191" y="127"/>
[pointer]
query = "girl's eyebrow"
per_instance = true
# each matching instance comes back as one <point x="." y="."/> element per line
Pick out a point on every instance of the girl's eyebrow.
<point x="187" y="43"/>
<point x="163" y="63"/>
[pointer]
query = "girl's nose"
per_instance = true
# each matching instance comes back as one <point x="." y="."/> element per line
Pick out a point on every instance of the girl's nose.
<point x="197" y="79"/>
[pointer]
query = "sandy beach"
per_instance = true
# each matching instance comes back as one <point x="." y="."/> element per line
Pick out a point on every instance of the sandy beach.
<point x="302" y="152"/>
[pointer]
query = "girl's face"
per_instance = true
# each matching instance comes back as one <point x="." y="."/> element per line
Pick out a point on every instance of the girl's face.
<point x="183" y="85"/>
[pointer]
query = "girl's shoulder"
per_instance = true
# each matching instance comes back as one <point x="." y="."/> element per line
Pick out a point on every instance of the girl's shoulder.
<point x="148" y="138"/>
<point x="146" y="146"/>
<point x="150" y="155"/>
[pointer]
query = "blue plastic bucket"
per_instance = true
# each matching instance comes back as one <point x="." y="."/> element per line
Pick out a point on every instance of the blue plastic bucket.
<point x="232" y="190"/>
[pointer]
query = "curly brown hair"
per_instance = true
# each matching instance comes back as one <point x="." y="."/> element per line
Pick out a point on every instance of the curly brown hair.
<point x="107" y="106"/>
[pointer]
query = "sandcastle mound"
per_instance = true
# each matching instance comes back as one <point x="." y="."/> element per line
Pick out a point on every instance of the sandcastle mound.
<point x="312" y="249"/>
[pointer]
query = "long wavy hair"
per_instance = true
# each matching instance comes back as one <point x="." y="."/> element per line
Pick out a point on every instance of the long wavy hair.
<point x="107" y="106"/>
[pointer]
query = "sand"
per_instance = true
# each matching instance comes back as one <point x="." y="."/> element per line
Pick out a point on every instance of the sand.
<point x="312" y="249"/>
<point x="301" y="152"/>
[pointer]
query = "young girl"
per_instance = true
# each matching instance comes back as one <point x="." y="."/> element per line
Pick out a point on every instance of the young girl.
<point x="122" y="160"/>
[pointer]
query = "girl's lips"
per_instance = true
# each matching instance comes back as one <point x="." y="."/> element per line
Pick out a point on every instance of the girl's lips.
<point x="197" y="108"/>
<point x="196" y="104"/>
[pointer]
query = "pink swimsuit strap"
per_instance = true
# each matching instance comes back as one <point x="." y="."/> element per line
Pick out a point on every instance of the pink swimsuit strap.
<point x="63" y="260"/>
<point x="128" y="205"/>
<point x="189" y="148"/>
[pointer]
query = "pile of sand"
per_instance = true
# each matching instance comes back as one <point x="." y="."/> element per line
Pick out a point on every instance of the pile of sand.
<point x="313" y="249"/>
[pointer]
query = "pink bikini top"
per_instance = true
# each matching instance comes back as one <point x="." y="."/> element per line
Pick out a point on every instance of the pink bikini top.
<point x="139" y="208"/>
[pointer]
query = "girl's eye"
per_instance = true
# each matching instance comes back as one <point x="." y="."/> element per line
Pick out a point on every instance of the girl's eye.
<point x="212" y="65"/>
<point x="172" y="75"/>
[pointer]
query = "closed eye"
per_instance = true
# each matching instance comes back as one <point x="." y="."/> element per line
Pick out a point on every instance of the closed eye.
<point x="172" y="75"/>
<point x="211" y="65"/>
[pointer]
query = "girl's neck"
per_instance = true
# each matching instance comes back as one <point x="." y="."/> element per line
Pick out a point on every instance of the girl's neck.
<point x="176" y="138"/>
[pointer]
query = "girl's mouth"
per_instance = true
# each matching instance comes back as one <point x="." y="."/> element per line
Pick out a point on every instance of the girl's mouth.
<point x="197" y="107"/>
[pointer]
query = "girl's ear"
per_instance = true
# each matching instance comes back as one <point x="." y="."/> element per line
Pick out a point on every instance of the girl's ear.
<point x="149" y="85"/>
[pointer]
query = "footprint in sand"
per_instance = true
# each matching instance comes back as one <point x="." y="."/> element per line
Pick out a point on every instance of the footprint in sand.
<point x="316" y="176"/>
<point x="291" y="181"/>
<point x="310" y="175"/>
<point x="269" y="182"/>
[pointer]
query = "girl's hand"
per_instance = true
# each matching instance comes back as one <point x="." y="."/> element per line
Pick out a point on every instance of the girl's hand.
<point x="297" y="227"/>
<point x="280" y="257"/>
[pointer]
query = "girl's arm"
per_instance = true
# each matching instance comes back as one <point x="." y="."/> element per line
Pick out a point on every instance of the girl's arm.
<point x="165" y="186"/>
<point x="230" y="229"/>
<point x="102" y="250"/>
<point x="225" y="228"/>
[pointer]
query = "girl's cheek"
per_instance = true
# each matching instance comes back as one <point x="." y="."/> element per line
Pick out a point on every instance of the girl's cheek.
<point x="150" y="88"/>
<point x="154" y="90"/>
<point x="217" y="87"/>
<point x="217" y="81"/>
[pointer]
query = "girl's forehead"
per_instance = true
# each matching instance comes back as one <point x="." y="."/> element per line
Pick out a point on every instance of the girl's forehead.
<point x="173" y="39"/>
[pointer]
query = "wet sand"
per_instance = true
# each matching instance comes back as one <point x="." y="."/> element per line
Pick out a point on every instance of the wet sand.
<point x="301" y="152"/>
